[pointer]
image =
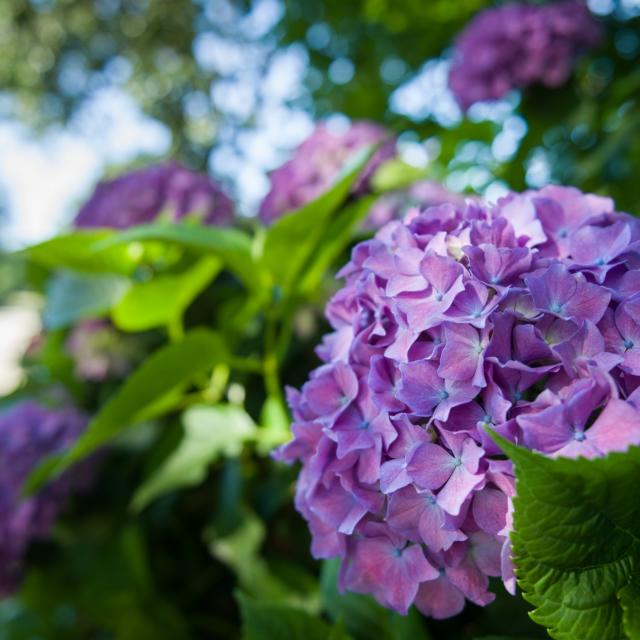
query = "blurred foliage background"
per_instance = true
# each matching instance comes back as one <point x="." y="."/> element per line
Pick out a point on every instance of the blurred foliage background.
<point x="225" y="76"/>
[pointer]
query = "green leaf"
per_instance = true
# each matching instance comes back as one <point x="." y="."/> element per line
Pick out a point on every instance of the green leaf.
<point x="339" y="632"/>
<point x="291" y="241"/>
<point x="630" y="602"/>
<point x="503" y="638"/>
<point x="164" y="299"/>
<point x="576" y="541"/>
<point x="230" y="245"/>
<point x="78" y="251"/>
<point x="265" y="621"/>
<point x="339" y="235"/>
<point x="140" y="397"/>
<point x="240" y="551"/>
<point x="72" y="297"/>
<point x="397" y="174"/>
<point x="209" y="433"/>
<point x="274" y="425"/>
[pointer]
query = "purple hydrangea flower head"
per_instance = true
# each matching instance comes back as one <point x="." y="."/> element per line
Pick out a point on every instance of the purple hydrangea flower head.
<point x="517" y="45"/>
<point x="317" y="162"/>
<point x="141" y="196"/>
<point x="28" y="433"/>
<point x="100" y="352"/>
<point x="522" y="317"/>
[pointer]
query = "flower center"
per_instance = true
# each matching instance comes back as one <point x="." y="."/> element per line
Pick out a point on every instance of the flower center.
<point x="628" y="344"/>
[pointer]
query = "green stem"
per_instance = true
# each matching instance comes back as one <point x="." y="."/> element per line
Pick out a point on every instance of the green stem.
<point x="271" y="365"/>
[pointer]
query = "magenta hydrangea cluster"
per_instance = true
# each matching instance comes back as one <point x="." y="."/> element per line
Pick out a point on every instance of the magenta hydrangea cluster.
<point x="317" y="162"/>
<point x="142" y="196"/>
<point x="518" y="45"/>
<point x="521" y="317"/>
<point x="28" y="433"/>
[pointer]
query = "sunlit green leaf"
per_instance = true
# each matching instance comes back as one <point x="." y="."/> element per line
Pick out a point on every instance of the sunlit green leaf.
<point x="339" y="235"/>
<point x="163" y="299"/>
<point x="168" y="369"/>
<point x="209" y="433"/>
<point x="292" y="239"/>
<point x="78" y="251"/>
<point x="240" y="550"/>
<point x="397" y="174"/>
<point x="232" y="246"/>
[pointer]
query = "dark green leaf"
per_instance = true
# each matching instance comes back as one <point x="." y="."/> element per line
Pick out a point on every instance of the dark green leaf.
<point x="576" y="540"/>
<point x="630" y="601"/>
<point x="141" y="396"/>
<point x="264" y="621"/>
<point x="72" y="297"/>
<point x="209" y="432"/>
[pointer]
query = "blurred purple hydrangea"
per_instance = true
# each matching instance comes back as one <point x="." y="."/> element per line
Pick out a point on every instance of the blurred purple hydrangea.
<point x="100" y="352"/>
<point x="142" y="196"/>
<point x="28" y="433"/>
<point x="522" y="317"/>
<point x="517" y="45"/>
<point x="318" y="161"/>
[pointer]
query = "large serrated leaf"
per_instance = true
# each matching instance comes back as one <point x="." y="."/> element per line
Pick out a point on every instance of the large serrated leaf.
<point x="630" y="601"/>
<point x="162" y="373"/>
<point x="576" y="541"/>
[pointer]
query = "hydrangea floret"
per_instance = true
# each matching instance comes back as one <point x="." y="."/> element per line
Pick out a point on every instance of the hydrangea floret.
<point x="517" y="45"/>
<point x="141" y="196"/>
<point x="28" y="433"/>
<point x="521" y="317"/>
<point x="317" y="162"/>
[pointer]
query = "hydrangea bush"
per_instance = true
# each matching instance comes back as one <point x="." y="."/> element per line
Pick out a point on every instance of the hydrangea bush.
<point x="29" y="432"/>
<point x="520" y="318"/>
<point x="517" y="45"/>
